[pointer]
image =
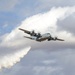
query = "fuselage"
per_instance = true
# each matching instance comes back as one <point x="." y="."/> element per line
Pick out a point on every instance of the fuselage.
<point x="42" y="37"/>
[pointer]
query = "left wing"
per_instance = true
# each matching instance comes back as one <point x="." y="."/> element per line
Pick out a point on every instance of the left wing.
<point x="32" y="33"/>
<point x="26" y="31"/>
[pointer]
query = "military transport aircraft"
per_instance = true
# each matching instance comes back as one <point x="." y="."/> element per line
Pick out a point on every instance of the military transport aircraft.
<point x="38" y="37"/>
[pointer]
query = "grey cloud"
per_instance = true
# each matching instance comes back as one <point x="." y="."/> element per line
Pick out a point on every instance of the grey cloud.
<point x="33" y="64"/>
<point x="53" y="46"/>
<point x="67" y="24"/>
<point x="64" y="63"/>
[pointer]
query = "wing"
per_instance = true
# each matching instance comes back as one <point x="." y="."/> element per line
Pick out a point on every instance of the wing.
<point x="26" y="31"/>
<point x="41" y="39"/>
<point x="60" y="39"/>
<point x="29" y="32"/>
<point x="28" y="37"/>
<point x="54" y="38"/>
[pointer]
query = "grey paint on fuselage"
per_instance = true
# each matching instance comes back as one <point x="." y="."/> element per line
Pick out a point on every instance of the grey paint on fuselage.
<point x="43" y="37"/>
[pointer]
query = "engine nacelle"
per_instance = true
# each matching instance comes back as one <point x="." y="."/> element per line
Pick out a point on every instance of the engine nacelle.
<point x="49" y="38"/>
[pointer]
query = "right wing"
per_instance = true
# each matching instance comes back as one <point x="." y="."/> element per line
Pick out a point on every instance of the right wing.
<point x="60" y="39"/>
<point x="26" y="31"/>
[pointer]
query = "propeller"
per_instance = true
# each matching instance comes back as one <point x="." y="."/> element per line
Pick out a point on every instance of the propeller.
<point x="55" y="38"/>
<point x="33" y="31"/>
<point x="39" y="35"/>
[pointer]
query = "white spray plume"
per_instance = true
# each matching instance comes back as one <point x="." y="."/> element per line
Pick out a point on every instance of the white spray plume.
<point x="9" y="60"/>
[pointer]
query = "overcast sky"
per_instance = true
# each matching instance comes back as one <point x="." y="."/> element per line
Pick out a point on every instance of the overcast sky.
<point x="22" y="56"/>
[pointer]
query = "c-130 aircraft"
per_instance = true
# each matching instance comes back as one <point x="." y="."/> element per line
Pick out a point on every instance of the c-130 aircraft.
<point x="38" y="37"/>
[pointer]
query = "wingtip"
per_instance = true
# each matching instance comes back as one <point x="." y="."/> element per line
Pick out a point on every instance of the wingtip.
<point x="19" y="28"/>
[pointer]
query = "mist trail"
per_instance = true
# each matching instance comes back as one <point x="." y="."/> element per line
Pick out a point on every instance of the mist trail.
<point x="9" y="60"/>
